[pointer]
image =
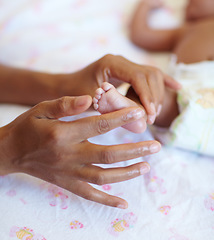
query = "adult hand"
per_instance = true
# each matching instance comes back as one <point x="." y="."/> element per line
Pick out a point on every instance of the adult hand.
<point x="39" y="144"/>
<point x="148" y="82"/>
<point x="153" y="3"/>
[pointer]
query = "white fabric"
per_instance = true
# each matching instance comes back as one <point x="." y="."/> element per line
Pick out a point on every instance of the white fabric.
<point x="175" y="201"/>
<point x="193" y="129"/>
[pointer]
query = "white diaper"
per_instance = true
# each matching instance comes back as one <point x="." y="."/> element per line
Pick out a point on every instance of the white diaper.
<point x="193" y="129"/>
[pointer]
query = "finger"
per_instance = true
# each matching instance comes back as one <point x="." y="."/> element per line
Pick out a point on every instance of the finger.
<point x="135" y="75"/>
<point x="152" y="82"/>
<point x="157" y="90"/>
<point x="65" y="106"/>
<point x="85" y="128"/>
<point x="171" y="83"/>
<point x="156" y="85"/>
<point x="122" y="69"/>
<point x="143" y="90"/>
<point x="99" y="154"/>
<point x="100" y="176"/>
<point x="86" y="191"/>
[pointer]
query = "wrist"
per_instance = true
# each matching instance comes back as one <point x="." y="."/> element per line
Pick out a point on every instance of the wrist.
<point x="61" y="85"/>
<point x="45" y="87"/>
<point x="26" y="87"/>
<point x="78" y="83"/>
<point x="6" y="152"/>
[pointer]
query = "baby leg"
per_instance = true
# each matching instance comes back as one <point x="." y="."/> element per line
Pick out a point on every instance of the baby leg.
<point x="108" y="99"/>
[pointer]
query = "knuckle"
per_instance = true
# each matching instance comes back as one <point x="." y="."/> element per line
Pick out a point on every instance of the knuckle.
<point x="99" y="179"/>
<point x="105" y="61"/>
<point x="108" y="57"/>
<point x="157" y="73"/>
<point x="38" y="108"/>
<point x="139" y="75"/>
<point x="107" y="157"/>
<point x="87" y="195"/>
<point x="152" y="75"/>
<point x="54" y="142"/>
<point x="120" y="57"/>
<point x="103" y="126"/>
<point x="63" y="103"/>
<point x="54" y="135"/>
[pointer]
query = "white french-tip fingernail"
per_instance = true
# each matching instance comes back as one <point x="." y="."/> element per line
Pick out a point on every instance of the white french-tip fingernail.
<point x="154" y="148"/>
<point x="151" y="118"/>
<point x="145" y="149"/>
<point x="152" y="106"/>
<point x="122" y="206"/>
<point x="144" y="169"/>
<point x="137" y="114"/>
<point x="159" y="109"/>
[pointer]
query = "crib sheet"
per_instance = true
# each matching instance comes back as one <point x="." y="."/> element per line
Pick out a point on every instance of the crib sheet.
<point x="175" y="201"/>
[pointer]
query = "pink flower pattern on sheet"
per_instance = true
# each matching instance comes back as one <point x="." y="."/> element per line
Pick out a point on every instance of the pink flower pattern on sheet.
<point x="57" y="197"/>
<point x="76" y="225"/>
<point x="11" y="193"/>
<point x="106" y="187"/>
<point x="177" y="236"/>
<point x="25" y="233"/>
<point x="121" y="224"/>
<point x="165" y="209"/>
<point x="154" y="183"/>
<point x="68" y="53"/>
<point x="209" y="202"/>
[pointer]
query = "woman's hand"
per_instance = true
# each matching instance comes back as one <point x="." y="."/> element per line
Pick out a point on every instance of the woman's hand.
<point x="148" y="82"/>
<point x="39" y="144"/>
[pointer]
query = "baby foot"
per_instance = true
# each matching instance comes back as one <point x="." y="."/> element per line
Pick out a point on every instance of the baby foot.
<point x="108" y="99"/>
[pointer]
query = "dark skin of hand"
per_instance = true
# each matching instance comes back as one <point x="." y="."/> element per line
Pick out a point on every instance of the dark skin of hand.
<point x="39" y="144"/>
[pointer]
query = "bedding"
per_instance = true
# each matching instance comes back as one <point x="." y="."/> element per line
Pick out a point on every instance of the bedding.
<point x="175" y="201"/>
<point x="196" y="106"/>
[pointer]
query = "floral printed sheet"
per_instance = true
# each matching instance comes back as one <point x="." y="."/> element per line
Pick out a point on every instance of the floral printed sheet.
<point x="175" y="201"/>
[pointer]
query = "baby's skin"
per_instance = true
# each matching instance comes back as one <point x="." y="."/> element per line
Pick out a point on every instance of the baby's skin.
<point x="191" y="42"/>
<point x="108" y="99"/>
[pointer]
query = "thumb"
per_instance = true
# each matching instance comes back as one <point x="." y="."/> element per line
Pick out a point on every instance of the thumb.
<point x="65" y="106"/>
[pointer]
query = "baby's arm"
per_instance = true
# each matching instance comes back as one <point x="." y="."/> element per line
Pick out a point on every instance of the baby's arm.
<point x="151" y="39"/>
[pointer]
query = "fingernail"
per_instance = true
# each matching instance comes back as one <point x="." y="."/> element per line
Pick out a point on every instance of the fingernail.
<point x="155" y="147"/>
<point x="145" y="148"/>
<point x="122" y="206"/>
<point x="144" y="169"/>
<point x="159" y="109"/>
<point x="152" y="106"/>
<point x="151" y="118"/>
<point x="80" y="101"/>
<point x="136" y="114"/>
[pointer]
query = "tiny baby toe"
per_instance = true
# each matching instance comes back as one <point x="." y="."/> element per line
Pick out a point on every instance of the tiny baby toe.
<point x="97" y="97"/>
<point x="99" y="91"/>
<point x="107" y="86"/>
<point x="96" y="106"/>
<point x="95" y="100"/>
